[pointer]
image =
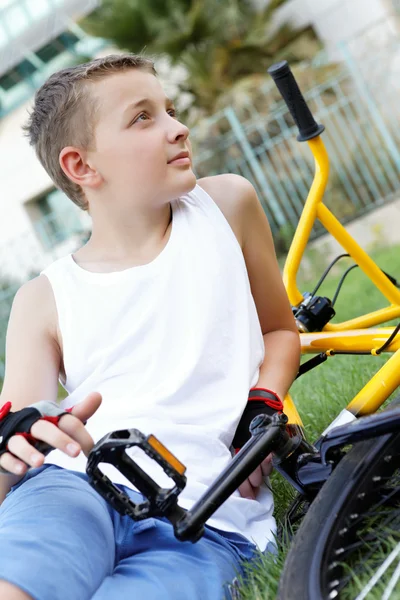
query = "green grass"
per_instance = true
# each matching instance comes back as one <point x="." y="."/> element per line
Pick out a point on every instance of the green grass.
<point x="322" y="393"/>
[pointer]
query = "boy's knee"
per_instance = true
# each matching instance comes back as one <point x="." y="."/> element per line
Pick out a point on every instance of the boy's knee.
<point x="9" y="591"/>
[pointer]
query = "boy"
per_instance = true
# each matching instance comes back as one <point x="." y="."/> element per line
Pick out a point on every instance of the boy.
<point x="163" y="321"/>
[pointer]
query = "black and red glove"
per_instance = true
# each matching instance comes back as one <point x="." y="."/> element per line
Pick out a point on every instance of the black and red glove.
<point x="260" y="402"/>
<point x="21" y="421"/>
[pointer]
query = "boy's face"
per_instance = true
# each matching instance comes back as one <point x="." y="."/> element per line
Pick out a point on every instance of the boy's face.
<point x="136" y="137"/>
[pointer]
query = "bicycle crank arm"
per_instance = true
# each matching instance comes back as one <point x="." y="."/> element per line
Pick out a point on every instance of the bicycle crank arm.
<point x="267" y="434"/>
<point x="360" y="429"/>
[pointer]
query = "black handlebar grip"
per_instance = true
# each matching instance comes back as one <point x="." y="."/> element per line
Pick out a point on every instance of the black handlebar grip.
<point x="287" y="85"/>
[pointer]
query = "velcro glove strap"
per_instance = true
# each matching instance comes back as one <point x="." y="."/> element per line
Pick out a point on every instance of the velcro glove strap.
<point x="260" y="401"/>
<point x="21" y="421"/>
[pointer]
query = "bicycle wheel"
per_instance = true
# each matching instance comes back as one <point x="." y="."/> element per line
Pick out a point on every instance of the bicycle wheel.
<point x="351" y="532"/>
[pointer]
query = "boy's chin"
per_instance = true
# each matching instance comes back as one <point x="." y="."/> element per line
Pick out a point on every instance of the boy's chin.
<point x="186" y="185"/>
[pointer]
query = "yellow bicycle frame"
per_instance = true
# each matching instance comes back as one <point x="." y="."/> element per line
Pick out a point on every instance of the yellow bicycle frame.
<point x="352" y="335"/>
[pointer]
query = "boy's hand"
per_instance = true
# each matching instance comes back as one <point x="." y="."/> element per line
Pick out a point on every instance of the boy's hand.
<point x="70" y="430"/>
<point x="250" y="487"/>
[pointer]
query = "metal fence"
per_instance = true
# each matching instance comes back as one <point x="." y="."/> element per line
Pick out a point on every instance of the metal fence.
<point x="361" y="114"/>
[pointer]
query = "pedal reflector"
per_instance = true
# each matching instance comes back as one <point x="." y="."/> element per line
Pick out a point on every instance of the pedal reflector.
<point x="166" y="454"/>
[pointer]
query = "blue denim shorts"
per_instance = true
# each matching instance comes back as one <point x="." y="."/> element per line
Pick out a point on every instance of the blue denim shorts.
<point x="60" y="540"/>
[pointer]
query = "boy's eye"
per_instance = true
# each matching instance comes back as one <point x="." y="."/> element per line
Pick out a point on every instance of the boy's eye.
<point x="139" y="117"/>
<point x="144" y="116"/>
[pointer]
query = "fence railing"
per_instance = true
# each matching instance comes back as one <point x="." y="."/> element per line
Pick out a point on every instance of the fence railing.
<point x="362" y="118"/>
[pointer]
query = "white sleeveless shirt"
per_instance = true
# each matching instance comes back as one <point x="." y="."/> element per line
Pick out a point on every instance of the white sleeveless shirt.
<point x="174" y="347"/>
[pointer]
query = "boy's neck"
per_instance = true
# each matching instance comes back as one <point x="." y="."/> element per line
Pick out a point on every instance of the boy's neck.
<point x="124" y="242"/>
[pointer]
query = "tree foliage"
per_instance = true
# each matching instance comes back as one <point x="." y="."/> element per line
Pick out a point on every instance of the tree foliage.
<point x="217" y="42"/>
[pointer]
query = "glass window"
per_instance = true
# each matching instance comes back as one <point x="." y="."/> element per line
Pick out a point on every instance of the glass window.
<point x="68" y="39"/>
<point x="26" y="68"/>
<point x="10" y="79"/>
<point x="55" y="218"/>
<point x="49" y="51"/>
<point x="46" y="53"/>
<point x="17" y="75"/>
<point x="63" y="42"/>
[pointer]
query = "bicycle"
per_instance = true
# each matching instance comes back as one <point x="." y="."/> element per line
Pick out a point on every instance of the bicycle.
<point x="342" y="492"/>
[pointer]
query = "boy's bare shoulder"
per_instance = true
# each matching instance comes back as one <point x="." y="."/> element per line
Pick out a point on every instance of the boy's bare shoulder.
<point x="32" y="346"/>
<point x="38" y="288"/>
<point x="232" y="193"/>
<point x="35" y="299"/>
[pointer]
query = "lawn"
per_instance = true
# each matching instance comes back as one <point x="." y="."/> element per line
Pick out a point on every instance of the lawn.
<point x="321" y="393"/>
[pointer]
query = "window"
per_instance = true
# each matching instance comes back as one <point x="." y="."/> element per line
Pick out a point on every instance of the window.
<point x="20" y="73"/>
<point x="62" y="43"/>
<point x="55" y="218"/>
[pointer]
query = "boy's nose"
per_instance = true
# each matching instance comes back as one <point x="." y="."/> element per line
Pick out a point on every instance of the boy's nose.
<point x="178" y="132"/>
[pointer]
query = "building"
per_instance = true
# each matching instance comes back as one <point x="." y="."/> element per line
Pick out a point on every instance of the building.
<point x="38" y="223"/>
<point x="367" y="25"/>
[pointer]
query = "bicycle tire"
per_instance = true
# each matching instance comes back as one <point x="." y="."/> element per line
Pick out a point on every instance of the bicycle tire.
<point x="313" y="568"/>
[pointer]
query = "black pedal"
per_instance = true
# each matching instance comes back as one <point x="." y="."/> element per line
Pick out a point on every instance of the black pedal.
<point x="159" y="501"/>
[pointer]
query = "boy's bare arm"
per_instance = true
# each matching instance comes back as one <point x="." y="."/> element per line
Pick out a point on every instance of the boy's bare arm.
<point x="32" y="368"/>
<point x="281" y="337"/>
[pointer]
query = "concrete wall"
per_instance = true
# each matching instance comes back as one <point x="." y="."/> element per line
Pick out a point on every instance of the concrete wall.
<point x="340" y="20"/>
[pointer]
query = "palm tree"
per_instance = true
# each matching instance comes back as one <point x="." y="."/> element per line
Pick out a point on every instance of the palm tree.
<point x="217" y="42"/>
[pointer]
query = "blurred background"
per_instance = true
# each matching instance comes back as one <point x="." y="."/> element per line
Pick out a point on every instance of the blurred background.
<point x="212" y="57"/>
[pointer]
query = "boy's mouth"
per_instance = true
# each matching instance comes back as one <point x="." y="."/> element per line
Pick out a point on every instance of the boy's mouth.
<point x="182" y="158"/>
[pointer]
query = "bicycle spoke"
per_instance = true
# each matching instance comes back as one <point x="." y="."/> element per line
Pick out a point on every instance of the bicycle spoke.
<point x="365" y="536"/>
<point x="359" y="535"/>
<point x="393" y="580"/>
<point x="380" y="572"/>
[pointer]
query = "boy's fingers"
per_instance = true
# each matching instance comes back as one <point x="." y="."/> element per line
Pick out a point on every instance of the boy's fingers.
<point x="76" y="430"/>
<point x="85" y="409"/>
<point x="20" y="448"/>
<point x="249" y="488"/>
<point x="9" y="463"/>
<point x="246" y="490"/>
<point x="266" y="466"/>
<point x="256" y="478"/>
<point x="70" y="432"/>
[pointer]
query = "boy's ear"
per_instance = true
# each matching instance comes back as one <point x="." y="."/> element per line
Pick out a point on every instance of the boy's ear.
<point x="73" y="162"/>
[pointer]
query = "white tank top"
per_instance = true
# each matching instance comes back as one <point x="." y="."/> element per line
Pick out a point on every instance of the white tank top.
<point x="174" y="347"/>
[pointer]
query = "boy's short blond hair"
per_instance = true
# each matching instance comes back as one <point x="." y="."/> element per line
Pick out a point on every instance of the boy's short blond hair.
<point x="65" y="113"/>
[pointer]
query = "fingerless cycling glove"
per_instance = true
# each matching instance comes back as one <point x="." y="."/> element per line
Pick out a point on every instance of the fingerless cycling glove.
<point x="260" y="401"/>
<point x="21" y="421"/>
